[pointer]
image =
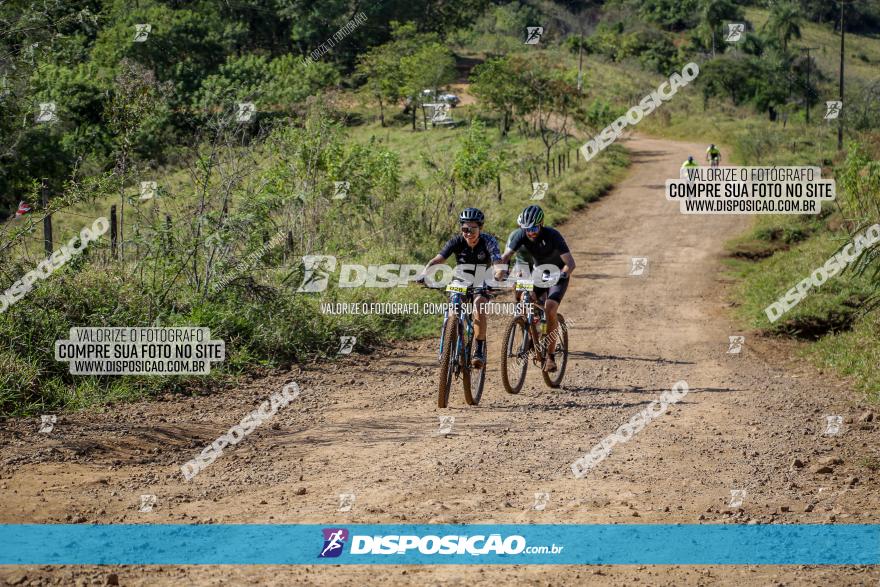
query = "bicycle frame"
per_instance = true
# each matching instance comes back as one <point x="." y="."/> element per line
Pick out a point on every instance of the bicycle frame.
<point x="462" y="320"/>
<point x="531" y="332"/>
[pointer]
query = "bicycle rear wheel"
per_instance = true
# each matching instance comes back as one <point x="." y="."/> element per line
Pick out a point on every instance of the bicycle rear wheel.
<point x="515" y="355"/>
<point x="555" y="379"/>
<point x="447" y="362"/>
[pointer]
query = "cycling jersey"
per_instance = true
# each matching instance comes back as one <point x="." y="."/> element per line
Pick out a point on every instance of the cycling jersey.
<point x="485" y="252"/>
<point x="715" y="153"/>
<point x="546" y="249"/>
<point x="523" y="257"/>
<point x="688" y="164"/>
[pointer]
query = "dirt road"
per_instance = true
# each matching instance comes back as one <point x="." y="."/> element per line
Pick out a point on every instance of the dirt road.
<point x="368" y="426"/>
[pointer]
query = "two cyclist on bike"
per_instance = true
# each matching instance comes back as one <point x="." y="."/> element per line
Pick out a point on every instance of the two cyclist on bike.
<point x="713" y="156"/>
<point x="535" y="243"/>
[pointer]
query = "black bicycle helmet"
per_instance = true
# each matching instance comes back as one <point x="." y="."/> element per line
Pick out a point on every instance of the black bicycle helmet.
<point x="471" y="215"/>
<point x="531" y="216"/>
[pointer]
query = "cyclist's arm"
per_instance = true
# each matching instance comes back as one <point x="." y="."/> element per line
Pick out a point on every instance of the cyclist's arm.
<point x="569" y="263"/>
<point x="435" y="261"/>
<point x="492" y="247"/>
<point x="449" y="249"/>
<point x="514" y="244"/>
<point x="564" y="252"/>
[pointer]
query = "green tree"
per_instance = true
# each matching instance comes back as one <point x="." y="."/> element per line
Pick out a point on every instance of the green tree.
<point x="183" y="45"/>
<point x="497" y="86"/>
<point x="430" y="67"/>
<point x="274" y="84"/>
<point x="476" y="164"/>
<point x="714" y="14"/>
<point x="550" y="97"/>
<point x="784" y="22"/>
<point x="380" y="71"/>
<point x="673" y="15"/>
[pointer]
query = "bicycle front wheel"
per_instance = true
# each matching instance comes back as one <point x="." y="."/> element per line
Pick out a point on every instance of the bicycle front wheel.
<point x="515" y="355"/>
<point x="555" y="379"/>
<point x="447" y="362"/>
<point x="475" y="378"/>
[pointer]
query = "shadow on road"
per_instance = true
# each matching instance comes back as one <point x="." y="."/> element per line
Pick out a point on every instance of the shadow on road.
<point x="641" y="156"/>
<point x="597" y="276"/>
<point x="594" y="356"/>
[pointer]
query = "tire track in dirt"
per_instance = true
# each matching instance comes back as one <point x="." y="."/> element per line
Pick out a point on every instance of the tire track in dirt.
<point x="368" y="425"/>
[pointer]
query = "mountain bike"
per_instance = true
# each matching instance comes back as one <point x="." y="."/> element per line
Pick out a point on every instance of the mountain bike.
<point x="714" y="161"/>
<point x="457" y="346"/>
<point x="523" y="342"/>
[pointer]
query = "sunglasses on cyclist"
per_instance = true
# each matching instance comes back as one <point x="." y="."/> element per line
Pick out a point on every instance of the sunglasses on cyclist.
<point x="469" y="229"/>
<point x="533" y="229"/>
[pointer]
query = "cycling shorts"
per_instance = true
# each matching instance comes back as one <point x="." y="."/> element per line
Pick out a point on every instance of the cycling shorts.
<point x="555" y="292"/>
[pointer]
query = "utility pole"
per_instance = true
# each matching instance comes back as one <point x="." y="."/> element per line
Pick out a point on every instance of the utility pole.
<point x="839" y="118"/>
<point x="580" y="64"/>
<point x="580" y="84"/>
<point x="809" y="65"/>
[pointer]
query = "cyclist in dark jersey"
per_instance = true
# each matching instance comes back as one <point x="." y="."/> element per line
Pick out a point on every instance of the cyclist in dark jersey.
<point x="546" y="246"/>
<point x="523" y="258"/>
<point x="476" y="248"/>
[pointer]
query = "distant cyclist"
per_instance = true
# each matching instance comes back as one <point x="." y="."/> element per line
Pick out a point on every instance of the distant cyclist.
<point x="546" y="246"/>
<point x="713" y="155"/>
<point x="472" y="247"/>
<point x="689" y="163"/>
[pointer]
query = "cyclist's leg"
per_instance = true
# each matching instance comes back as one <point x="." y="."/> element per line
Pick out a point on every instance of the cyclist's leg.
<point x="541" y="298"/>
<point x="480" y="317"/>
<point x="540" y="294"/>
<point x="480" y="330"/>
<point x="551" y="307"/>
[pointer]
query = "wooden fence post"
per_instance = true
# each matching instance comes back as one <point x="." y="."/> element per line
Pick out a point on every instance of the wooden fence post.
<point x="168" y="232"/>
<point x="498" y="186"/>
<point x="113" y="232"/>
<point x="47" y="221"/>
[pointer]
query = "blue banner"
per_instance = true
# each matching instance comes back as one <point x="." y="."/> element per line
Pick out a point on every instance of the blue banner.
<point x="484" y="544"/>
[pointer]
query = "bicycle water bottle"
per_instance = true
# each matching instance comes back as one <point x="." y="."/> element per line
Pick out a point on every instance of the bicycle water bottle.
<point x="543" y="325"/>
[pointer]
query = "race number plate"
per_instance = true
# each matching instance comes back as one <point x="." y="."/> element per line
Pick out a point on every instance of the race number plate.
<point x="524" y="285"/>
<point x="456" y="287"/>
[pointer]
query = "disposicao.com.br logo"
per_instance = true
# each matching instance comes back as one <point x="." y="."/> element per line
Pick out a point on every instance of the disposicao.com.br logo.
<point x="451" y="544"/>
